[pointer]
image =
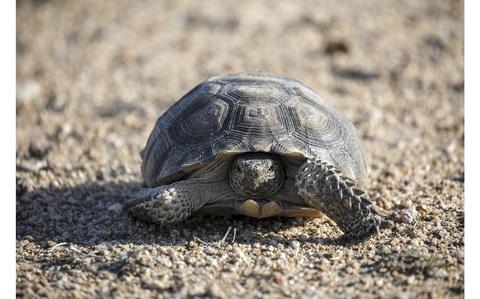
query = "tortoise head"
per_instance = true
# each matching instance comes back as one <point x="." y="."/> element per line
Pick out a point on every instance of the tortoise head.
<point x="256" y="174"/>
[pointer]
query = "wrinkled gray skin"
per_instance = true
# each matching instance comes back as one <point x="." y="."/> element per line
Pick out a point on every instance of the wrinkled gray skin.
<point x="256" y="175"/>
<point x="258" y="145"/>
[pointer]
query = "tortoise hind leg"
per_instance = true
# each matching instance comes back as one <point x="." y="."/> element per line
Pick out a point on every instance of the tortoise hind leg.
<point x="324" y="187"/>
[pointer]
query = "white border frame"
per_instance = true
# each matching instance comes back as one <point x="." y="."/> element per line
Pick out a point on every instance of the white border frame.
<point x="8" y="149"/>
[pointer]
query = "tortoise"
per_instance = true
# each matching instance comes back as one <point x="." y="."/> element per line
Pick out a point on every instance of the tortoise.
<point x="255" y="144"/>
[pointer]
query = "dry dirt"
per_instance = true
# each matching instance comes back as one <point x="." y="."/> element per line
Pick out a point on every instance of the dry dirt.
<point x="93" y="76"/>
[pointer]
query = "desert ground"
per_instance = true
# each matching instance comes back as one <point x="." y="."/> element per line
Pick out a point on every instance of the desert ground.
<point x="93" y="76"/>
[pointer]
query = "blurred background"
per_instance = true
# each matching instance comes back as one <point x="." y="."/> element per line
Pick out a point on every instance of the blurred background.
<point x="93" y="76"/>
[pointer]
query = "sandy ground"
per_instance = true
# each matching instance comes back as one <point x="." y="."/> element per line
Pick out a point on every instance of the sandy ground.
<point x="93" y="76"/>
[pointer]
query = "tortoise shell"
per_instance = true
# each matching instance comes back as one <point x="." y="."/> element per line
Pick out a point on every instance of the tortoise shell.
<point x="249" y="112"/>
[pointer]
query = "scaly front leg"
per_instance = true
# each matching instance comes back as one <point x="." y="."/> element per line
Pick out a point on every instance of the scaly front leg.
<point x="175" y="202"/>
<point x="165" y="204"/>
<point x="323" y="187"/>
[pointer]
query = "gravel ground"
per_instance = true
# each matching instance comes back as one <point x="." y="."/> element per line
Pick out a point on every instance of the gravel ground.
<point x="93" y="76"/>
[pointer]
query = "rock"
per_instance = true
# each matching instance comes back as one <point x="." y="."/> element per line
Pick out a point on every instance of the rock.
<point x="407" y="204"/>
<point x="278" y="278"/>
<point x="294" y="244"/>
<point x="39" y="147"/>
<point x="215" y="291"/>
<point x="28" y="91"/>
<point x="411" y="280"/>
<point x="408" y="215"/>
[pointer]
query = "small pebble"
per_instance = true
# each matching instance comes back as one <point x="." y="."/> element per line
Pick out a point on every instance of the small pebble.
<point x="216" y="291"/>
<point x="407" y="204"/>
<point x="411" y="280"/>
<point x="279" y="279"/>
<point x="379" y="282"/>
<point x="295" y="244"/>
<point x="408" y="216"/>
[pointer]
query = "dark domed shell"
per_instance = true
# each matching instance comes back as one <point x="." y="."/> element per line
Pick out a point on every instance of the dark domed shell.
<point x="249" y="112"/>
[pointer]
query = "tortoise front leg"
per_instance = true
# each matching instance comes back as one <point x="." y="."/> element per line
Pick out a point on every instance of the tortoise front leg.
<point x="164" y="204"/>
<point x="175" y="202"/>
<point x="323" y="187"/>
